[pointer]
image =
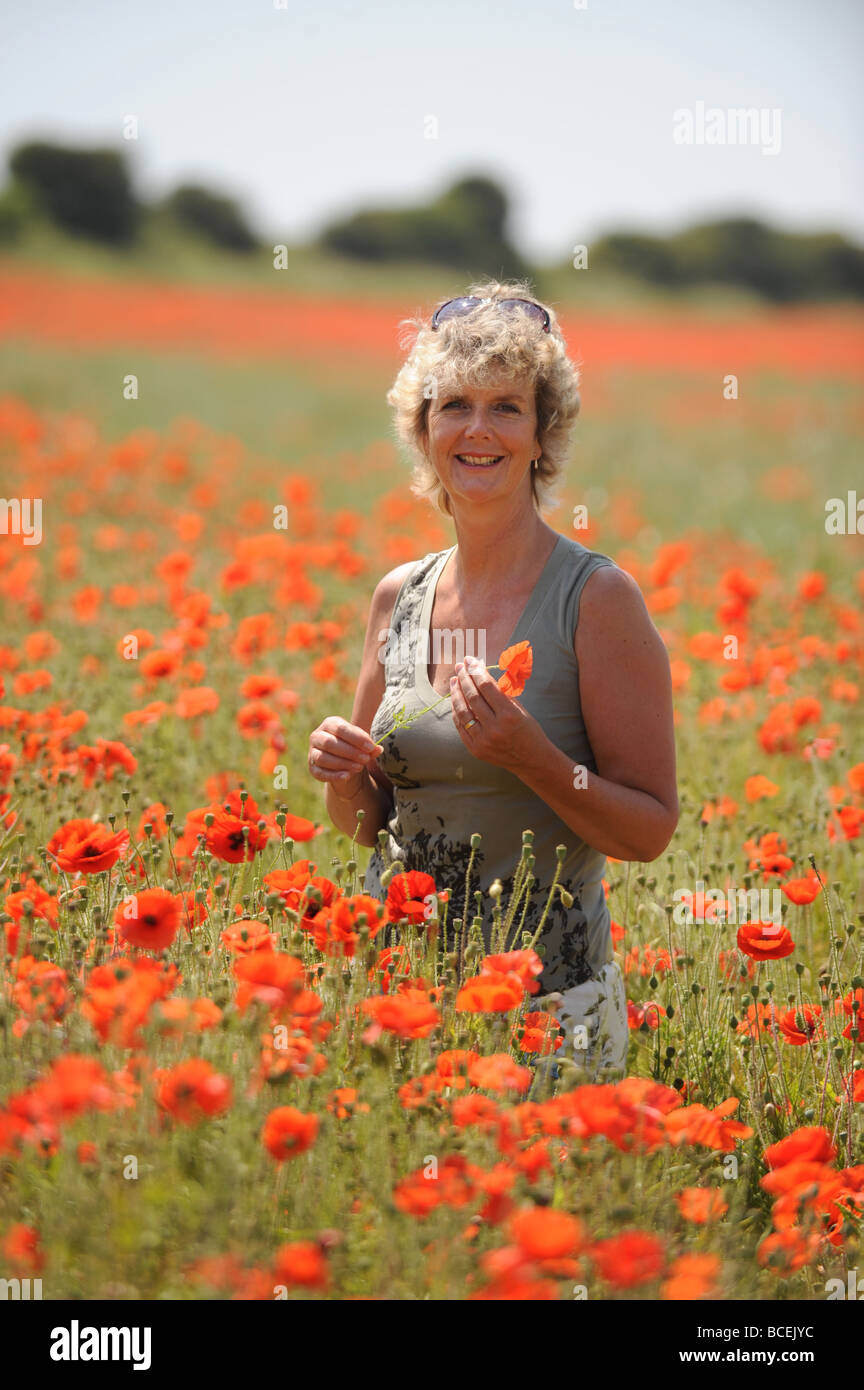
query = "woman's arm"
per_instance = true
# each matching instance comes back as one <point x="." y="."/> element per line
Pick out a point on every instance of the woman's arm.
<point x="629" y="807"/>
<point x="375" y="795"/>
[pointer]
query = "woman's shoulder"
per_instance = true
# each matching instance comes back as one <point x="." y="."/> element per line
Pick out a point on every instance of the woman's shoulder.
<point x="585" y="557"/>
<point x="401" y="578"/>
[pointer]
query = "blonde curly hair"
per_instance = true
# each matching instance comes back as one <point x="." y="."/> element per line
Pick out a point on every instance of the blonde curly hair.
<point x="474" y="349"/>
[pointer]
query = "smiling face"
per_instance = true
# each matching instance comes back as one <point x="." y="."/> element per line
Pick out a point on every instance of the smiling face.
<point x="481" y="439"/>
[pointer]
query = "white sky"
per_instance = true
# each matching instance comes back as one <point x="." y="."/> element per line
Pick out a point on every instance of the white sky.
<point x="309" y="112"/>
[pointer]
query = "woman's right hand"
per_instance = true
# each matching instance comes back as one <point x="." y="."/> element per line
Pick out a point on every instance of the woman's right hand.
<point x="341" y="754"/>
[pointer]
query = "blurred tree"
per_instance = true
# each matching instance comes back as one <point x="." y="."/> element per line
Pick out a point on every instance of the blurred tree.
<point x="210" y="215"/>
<point x="87" y="192"/>
<point x="742" y="251"/>
<point x="463" y="228"/>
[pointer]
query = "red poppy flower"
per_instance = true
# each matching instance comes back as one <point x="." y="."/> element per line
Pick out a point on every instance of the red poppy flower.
<point x="149" y="919"/>
<point x="810" y="1142"/>
<point x="635" y="1257"/>
<point x="764" y="940"/>
<point x="543" y="1233"/>
<point x="86" y="846"/>
<point x="701" y="1204"/>
<point x="301" y="1263"/>
<point x="799" y="1026"/>
<point x="288" y="1132"/>
<point x="516" y="664"/>
<point x="802" y="890"/>
<point x="192" y="1091"/>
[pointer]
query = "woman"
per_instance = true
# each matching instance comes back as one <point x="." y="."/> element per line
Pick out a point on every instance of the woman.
<point x="585" y="757"/>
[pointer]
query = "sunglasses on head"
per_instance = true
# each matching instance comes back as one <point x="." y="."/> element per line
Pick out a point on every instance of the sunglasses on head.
<point x="455" y="308"/>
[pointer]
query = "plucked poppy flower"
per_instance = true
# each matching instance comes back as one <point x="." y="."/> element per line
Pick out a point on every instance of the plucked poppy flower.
<point x="811" y="1142"/>
<point x="701" y="1204"/>
<point x="149" y="919"/>
<point x="691" y="1277"/>
<point x="86" y="847"/>
<point x="288" y="1132"/>
<point x="302" y="1264"/>
<point x="192" y="1091"/>
<point x="764" y="940"/>
<point x="801" y="1025"/>
<point x="516" y="664"/>
<point x="634" y="1257"/>
<point x="544" y="1233"/>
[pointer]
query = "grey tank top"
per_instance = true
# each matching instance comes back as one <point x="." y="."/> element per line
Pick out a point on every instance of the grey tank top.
<point x="443" y="794"/>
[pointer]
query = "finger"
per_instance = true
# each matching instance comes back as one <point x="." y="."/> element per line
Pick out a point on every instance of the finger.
<point x="357" y="737"/>
<point x="484" y="683"/>
<point x="325" y="766"/>
<point x="463" y="714"/>
<point x="353" y="749"/>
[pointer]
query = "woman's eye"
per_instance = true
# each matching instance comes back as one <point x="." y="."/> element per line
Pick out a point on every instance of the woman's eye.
<point x="507" y="405"/>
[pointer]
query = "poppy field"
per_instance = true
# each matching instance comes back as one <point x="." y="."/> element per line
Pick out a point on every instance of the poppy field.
<point x="226" y="1072"/>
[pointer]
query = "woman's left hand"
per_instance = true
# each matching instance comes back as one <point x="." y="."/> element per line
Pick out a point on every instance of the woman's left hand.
<point x="505" y="733"/>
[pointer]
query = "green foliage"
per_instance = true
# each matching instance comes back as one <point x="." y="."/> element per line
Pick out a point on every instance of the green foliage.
<point x="210" y="215"/>
<point x="463" y="228"/>
<point x="741" y="251"/>
<point x="86" y="192"/>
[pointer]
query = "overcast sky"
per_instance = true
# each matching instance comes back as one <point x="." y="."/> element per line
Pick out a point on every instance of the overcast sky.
<point x="310" y="111"/>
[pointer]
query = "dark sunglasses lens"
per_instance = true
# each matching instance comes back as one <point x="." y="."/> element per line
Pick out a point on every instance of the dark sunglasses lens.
<point x="454" y="307"/>
<point x="536" y="311"/>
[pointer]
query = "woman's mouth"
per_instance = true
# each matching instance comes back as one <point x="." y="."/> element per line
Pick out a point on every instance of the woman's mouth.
<point x="479" y="460"/>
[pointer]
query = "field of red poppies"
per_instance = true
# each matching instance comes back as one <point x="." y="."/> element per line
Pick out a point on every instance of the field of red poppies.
<point x="226" y="1073"/>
